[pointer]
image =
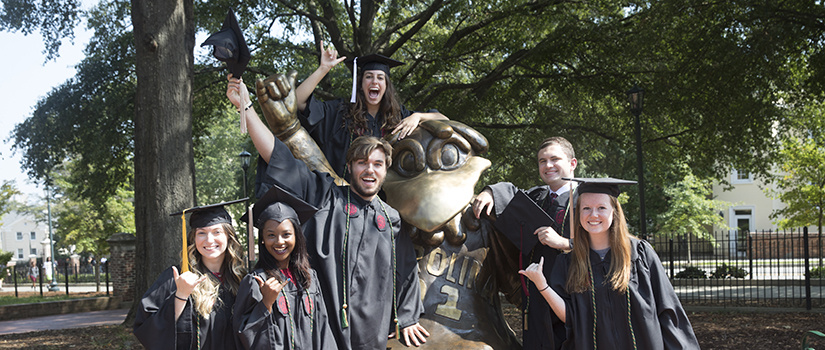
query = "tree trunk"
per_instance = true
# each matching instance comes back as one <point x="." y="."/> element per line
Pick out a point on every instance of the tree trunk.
<point x="164" y="159"/>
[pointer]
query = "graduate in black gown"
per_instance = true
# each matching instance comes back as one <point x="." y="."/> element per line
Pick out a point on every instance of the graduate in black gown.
<point x="367" y="271"/>
<point x="193" y="309"/>
<point x="373" y="109"/>
<point x="611" y="290"/>
<point x="280" y="305"/>
<point x="556" y="160"/>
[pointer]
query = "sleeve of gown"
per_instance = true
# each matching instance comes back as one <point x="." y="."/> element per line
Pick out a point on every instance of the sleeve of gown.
<point x="155" y="324"/>
<point x="503" y="193"/>
<point x="323" y="337"/>
<point x="677" y="333"/>
<point x="251" y="318"/>
<point x="320" y="118"/>
<point x="558" y="281"/>
<point x="293" y="175"/>
<point x="410" y="306"/>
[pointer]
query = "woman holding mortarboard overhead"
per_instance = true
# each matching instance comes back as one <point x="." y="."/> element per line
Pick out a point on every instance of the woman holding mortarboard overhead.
<point x="373" y="109"/>
<point x="193" y="309"/>
<point x="280" y="305"/>
<point x="611" y="290"/>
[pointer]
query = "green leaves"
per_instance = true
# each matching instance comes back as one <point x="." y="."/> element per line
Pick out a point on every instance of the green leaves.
<point x="7" y="192"/>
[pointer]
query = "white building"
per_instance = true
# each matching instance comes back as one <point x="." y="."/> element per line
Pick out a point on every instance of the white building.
<point x="750" y="210"/>
<point x="22" y="235"/>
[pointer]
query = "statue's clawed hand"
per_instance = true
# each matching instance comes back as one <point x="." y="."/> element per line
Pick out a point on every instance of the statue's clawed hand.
<point x="276" y="95"/>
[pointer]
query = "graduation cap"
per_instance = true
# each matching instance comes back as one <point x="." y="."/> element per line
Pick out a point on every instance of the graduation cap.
<point x="606" y="185"/>
<point x="228" y="45"/>
<point x="370" y="62"/>
<point x="203" y="216"/>
<point x="520" y="219"/>
<point x="278" y="204"/>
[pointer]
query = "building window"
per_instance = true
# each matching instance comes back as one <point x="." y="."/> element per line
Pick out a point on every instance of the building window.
<point x="34" y="251"/>
<point x="741" y="177"/>
<point x="20" y="236"/>
<point x="20" y="253"/>
<point x="33" y="236"/>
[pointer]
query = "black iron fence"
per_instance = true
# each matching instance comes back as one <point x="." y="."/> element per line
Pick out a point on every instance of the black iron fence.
<point x="739" y="268"/>
<point x="68" y="278"/>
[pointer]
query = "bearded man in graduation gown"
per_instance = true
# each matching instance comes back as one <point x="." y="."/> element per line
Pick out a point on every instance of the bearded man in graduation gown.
<point x="556" y="160"/>
<point x="366" y="269"/>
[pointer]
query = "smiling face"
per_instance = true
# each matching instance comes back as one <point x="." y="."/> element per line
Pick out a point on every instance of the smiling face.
<point x="367" y="174"/>
<point x="595" y="213"/>
<point x="211" y="242"/>
<point x="279" y="240"/>
<point x="374" y="84"/>
<point x="554" y="164"/>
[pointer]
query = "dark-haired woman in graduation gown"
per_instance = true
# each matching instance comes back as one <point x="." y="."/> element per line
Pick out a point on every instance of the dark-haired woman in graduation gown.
<point x="193" y="309"/>
<point x="633" y="305"/>
<point x="280" y="305"/>
<point x="376" y="111"/>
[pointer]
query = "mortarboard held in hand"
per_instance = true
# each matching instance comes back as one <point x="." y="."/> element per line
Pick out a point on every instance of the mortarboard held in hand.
<point x="606" y="185"/>
<point x="202" y="216"/>
<point x="370" y="62"/>
<point x="228" y="45"/>
<point x="520" y="219"/>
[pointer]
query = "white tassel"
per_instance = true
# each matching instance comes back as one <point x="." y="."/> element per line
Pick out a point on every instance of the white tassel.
<point x="354" y="79"/>
<point x="243" y="121"/>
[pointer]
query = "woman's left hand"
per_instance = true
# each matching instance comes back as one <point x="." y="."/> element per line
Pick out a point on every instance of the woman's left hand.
<point x="407" y="126"/>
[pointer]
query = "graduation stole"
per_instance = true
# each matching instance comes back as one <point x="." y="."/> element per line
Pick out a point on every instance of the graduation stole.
<point x="344" y="320"/>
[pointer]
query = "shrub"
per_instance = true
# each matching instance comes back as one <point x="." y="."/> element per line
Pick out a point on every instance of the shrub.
<point x="818" y="272"/>
<point x="726" y="271"/>
<point x="692" y="272"/>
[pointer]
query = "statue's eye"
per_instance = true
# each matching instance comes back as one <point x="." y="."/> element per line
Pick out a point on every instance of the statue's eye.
<point x="409" y="158"/>
<point x="449" y="156"/>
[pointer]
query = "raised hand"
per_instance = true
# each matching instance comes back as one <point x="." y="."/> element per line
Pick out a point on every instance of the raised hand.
<point x="535" y="272"/>
<point x="270" y="290"/>
<point x="329" y="57"/>
<point x="185" y="282"/>
<point x="276" y="95"/>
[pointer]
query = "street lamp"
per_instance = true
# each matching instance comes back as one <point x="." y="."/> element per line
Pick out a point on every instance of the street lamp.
<point x="636" y="96"/>
<point x="249" y="244"/>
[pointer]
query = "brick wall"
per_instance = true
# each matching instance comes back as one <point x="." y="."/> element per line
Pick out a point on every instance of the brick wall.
<point x="781" y="245"/>
<point x="122" y="266"/>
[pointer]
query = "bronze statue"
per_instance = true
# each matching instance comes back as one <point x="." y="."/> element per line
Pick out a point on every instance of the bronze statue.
<point x="463" y="262"/>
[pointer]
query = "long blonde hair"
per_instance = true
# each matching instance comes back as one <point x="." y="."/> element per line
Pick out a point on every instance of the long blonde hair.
<point x="207" y="293"/>
<point x="578" y="278"/>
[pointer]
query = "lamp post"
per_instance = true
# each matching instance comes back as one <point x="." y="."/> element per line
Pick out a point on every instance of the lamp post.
<point x="636" y="96"/>
<point x="249" y="244"/>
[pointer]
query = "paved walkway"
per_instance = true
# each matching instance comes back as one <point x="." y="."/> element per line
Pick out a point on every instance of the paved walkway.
<point x="83" y="319"/>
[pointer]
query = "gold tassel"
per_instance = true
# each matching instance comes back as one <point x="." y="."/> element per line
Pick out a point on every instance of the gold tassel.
<point x="344" y="322"/>
<point x="525" y="319"/>
<point x="397" y="330"/>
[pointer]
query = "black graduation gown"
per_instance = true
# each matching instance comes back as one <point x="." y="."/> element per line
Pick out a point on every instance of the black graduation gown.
<point x="156" y="328"/>
<point x="327" y="125"/>
<point x="544" y="329"/>
<point x="369" y="283"/>
<point x="658" y="319"/>
<point x="258" y="329"/>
